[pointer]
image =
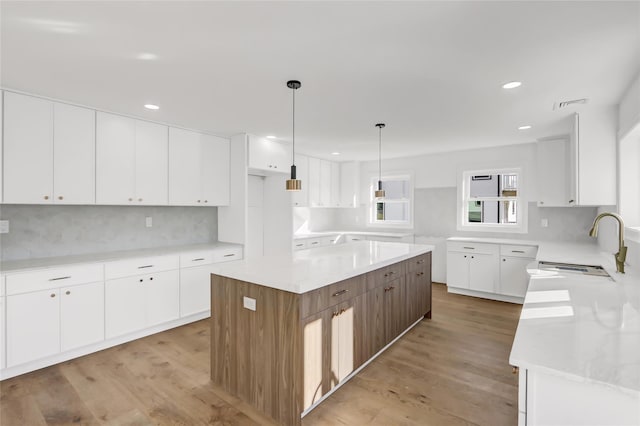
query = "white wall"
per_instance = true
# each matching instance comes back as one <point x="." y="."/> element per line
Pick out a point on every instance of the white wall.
<point x="629" y="109"/>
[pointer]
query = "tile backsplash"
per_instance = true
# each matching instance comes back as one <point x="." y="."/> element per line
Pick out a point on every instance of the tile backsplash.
<point x="44" y="231"/>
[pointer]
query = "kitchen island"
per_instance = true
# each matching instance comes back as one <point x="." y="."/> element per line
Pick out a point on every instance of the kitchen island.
<point x="288" y="330"/>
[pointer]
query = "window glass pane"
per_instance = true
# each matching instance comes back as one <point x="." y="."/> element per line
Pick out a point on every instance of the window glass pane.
<point x="379" y="211"/>
<point x="492" y="212"/>
<point x="396" y="211"/>
<point x="493" y="185"/>
<point x="396" y="189"/>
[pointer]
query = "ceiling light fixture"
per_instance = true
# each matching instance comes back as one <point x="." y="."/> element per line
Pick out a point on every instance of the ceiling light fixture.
<point x="293" y="184"/>
<point x="379" y="193"/>
<point x="524" y="127"/>
<point x="271" y="137"/>
<point x="146" y="56"/>
<point x="335" y="153"/>
<point x="511" y="85"/>
<point x="151" y="106"/>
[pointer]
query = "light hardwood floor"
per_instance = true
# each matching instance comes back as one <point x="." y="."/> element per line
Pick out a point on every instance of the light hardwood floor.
<point x="450" y="370"/>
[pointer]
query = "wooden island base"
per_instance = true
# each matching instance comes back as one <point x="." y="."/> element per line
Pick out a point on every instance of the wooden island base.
<point x="290" y="352"/>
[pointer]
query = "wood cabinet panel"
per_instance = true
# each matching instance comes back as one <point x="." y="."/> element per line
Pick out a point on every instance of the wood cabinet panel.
<point x="320" y="299"/>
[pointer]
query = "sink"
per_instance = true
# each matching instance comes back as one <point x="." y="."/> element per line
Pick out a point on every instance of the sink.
<point x="574" y="268"/>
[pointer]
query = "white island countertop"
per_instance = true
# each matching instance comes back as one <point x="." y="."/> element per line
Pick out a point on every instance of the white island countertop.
<point x="307" y="270"/>
<point x="585" y="328"/>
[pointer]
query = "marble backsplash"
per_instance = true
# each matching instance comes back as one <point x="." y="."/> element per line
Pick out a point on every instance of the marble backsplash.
<point x="45" y="231"/>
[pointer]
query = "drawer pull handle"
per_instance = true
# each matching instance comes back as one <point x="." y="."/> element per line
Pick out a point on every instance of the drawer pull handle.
<point x="67" y="292"/>
<point x="339" y="293"/>
<point x="53" y="295"/>
<point x="229" y="255"/>
<point x="419" y="262"/>
<point x="59" y="278"/>
<point x="335" y="314"/>
<point x="419" y="274"/>
<point x="388" y="274"/>
<point x="470" y="248"/>
<point x="145" y="266"/>
<point x="315" y="242"/>
<point x="517" y="251"/>
<point x="299" y="245"/>
<point x="386" y="289"/>
<point x="198" y="259"/>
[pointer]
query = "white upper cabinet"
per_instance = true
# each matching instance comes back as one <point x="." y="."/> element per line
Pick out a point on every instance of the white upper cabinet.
<point x="349" y="184"/>
<point x="334" y="188"/>
<point x="45" y="144"/>
<point x="74" y="132"/>
<point x="28" y="149"/>
<point x="198" y="169"/>
<point x="554" y="174"/>
<point x="152" y="163"/>
<point x="315" y="182"/>
<point x="268" y="156"/>
<point x="131" y="161"/>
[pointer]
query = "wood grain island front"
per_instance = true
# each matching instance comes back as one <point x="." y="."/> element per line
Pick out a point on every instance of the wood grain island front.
<point x="289" y="350"/>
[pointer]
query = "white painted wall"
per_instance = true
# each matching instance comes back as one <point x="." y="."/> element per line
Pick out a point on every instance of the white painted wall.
<point x="629" y="109"/>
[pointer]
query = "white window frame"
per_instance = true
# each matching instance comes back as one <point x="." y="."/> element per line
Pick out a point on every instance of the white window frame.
<point x="371" y="216"/>
<point x="464" y="198"/>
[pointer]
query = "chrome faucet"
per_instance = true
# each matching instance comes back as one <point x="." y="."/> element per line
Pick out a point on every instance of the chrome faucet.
<point x="621" y="255"/>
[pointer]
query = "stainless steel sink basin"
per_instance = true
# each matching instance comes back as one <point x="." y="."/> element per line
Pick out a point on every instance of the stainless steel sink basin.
<point x="574" y="268"/>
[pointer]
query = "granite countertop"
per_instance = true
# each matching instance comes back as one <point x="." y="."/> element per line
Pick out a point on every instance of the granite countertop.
<point x="582" y="327"/>
<point x="47" y="262"/>
<point x="308" y="270"/>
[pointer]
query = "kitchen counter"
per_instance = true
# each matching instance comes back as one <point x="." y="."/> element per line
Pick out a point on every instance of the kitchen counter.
<point x="47" y="262"/>
<point x="300" y="236"/>
<point x="307" y="270"/>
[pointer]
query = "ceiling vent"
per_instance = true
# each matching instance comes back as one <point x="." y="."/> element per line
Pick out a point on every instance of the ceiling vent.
<point x="564" y="104"/>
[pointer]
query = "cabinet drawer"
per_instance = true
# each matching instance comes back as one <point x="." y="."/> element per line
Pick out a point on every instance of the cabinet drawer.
<point x="384" y="275"/>
<point x="419" y="262"/>
<point x="334" y="239"/>
<point x="314" y="242"/>
<point x="473" y="247"/>
<point x="196" y="258"/>
<point x="147" y="265"/>
<point x="322" y="298"/>
<point x="518" y="251"/>
<point x="53" y="278"/>
<point x="227" y="254"/>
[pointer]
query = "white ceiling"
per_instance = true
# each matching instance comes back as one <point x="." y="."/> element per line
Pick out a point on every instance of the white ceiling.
<point x="431" y="70"/>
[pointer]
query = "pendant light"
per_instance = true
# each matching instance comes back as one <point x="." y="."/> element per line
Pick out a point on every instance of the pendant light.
<point x="379" y="193"/>
<point x="294" y="184"/>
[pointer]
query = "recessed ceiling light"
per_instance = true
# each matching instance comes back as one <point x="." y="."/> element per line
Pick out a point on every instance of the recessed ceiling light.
<point x="271" y="137"/>
<point x="146" y="56"/>
<point x="335" y="153"/>
<point x="524" y="127"/>
<point x="511" y="85"/>
<point x="151" y="106"/>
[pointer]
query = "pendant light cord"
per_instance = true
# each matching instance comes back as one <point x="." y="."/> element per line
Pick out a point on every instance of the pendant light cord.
<point x="380" y="154"/>
<point x="293" y="131"/>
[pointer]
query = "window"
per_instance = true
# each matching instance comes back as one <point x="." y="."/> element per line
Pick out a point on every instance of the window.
<point x="395" y="209"/>
<point x="491" y="201"/>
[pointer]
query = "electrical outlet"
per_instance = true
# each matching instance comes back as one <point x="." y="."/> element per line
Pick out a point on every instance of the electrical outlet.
<point x="148" y="221"/>
<point x="4" y="226"/>
<point x="544" y="223"/>
<point x="249" y="303"/>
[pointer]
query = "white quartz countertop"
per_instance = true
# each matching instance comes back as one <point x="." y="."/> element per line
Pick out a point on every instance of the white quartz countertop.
<point x="583" y="327"/>
<point x="47" y="262"/>
<point x="494" y="240"/>
<point x="303" y="235"/>
<point x="308" y="270"/>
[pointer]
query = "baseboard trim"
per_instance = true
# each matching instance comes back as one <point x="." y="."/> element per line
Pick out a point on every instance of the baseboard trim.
<point x="485" y="295"/>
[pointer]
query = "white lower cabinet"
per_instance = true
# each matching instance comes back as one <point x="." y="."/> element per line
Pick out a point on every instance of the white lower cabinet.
<point x="134" y="303"/>
<point x="489" y="269"/>
<point x="2" y="334"/>
<point x="195" y="290"/>
<point x="81" y="315"/>
<point x="30" y="336"/>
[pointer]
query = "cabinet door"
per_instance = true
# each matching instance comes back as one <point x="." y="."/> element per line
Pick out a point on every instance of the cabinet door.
<point x="184" y="167"/>
<point x="316" y="357"/>
<point x="325" y="183"/>
<point x="349" y="181"/>
<point x="33" y="326"/>
<point x="124" y="306"/>
<point x="162" y="295"/>
<point x="215" y="170"/>
<point x="195" y="290"/>
<point x="458" y="269"/>
<point x="513" y="275"/>
<point x="314" y="182"/>
<point x="335" y="185"/>
<point x="152" y="163"/>
<point x="553" y="174"/>
<point x="280" y="156"/>
<point x="115" y="159"/>
<point x="394" y="309"/>
<point x="2" y="335"/>
<point x="28" y="150"/>
<point x="301" y="198"/>
<point x="259" y="153"/>
<point x="342" y="343"/>
<point x="483" y="272"/>
<point x="74" y="155"/>
<point x="81" y="315"/>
